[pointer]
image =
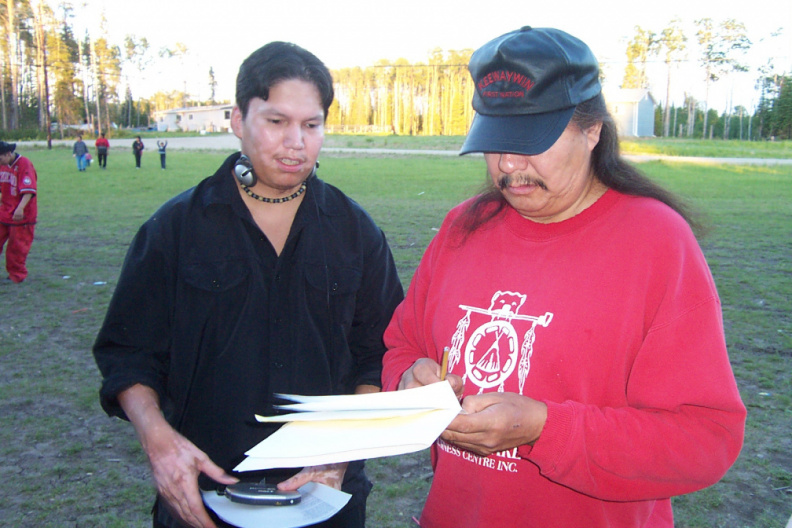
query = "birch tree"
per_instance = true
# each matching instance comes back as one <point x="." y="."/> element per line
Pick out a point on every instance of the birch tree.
<point x="673" y="44"/>
<point x="64" y="57"/>
<point x="42" y="18"/>
<point x="137" y="59"/>
<point x="718" y="48"/>
<point x="12" y="64"/>
<point x="641" y="48"/>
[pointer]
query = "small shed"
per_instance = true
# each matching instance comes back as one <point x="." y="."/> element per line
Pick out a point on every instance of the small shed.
<point x="215" y="118"/>
<point x="633" y="110"/>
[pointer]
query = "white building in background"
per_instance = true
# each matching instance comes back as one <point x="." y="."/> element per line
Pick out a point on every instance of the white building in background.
<point x="216" y="118"/>
<point x="633" y="110"/>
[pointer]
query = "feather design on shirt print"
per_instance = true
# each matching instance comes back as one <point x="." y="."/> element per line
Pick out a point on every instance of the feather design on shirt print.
<point x="492" y="352"/>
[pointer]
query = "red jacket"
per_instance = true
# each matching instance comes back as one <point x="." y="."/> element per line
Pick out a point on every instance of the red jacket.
<point x="15" y="180"/>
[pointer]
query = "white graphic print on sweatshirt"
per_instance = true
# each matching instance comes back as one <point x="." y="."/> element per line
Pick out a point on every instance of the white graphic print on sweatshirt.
<point x="491" y="354"/>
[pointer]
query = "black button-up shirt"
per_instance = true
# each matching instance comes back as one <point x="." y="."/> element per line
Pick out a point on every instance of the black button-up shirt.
<point x="207" y="314"/>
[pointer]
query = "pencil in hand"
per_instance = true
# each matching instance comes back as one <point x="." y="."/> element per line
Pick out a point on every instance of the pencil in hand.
<point x="444" y="364"/>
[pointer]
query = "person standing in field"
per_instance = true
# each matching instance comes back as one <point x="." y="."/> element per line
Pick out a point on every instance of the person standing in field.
<point x="137" y="150"/>
<point x="161" y="145"/>
<point x="18" y="210"/>
<point x="262" y="279"/>
<point x="581" y="323"/>
<point x="80" y="151"/>
<point x="102" y="148"/>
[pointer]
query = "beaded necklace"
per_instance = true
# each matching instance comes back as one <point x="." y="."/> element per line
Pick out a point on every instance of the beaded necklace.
<point x="273" y="200"/>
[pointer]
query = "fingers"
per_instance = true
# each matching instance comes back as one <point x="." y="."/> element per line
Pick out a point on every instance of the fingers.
<point x="423" y="372"/>
<point x="216" y="473"/>
<point x="297" y="481"/>
<point x="495" y="422"/>
<point x="328" y="474"/>
<point x="185" y="503"/>
<point x="176" y="465"/>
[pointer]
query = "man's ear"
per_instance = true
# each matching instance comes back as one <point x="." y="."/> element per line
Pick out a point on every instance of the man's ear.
<point x="236" y="121"/>
<point x="593" y="135"/>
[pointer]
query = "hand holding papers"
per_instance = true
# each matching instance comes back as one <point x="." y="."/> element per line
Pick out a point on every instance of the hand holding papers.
<point x="332" y="429"/>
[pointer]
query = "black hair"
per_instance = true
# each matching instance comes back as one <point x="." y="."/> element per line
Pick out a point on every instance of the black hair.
<point x="608" y="166"/>
<point x="276" y="62"/>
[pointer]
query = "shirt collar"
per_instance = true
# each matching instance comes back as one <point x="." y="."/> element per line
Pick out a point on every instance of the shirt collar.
<point x="222" y="190"/>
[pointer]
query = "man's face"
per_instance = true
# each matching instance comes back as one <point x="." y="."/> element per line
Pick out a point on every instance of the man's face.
<point x="283" y="135"/>
<point x="6" y="158"/>
<point x="554" y="185"/>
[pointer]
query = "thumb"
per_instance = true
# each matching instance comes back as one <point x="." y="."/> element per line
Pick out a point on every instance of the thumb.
<point x="216" y="473"/>
<point x="456" y="384"/>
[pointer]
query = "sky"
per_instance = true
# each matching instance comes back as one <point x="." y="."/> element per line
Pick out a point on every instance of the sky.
<point x="347" y="33"/>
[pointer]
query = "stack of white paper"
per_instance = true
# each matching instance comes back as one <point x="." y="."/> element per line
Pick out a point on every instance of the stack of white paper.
<point x="332" y="429"/>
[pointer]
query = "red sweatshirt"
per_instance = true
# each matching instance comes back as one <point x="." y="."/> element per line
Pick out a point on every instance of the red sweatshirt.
<point x="612" y="319"/>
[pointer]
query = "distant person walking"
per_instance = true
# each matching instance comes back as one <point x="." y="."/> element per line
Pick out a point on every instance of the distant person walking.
<point x="161" y="149"/>
<point x="79" y="151"/>
<point x="137" y="150"/>
<point x="102" y="146"/>
<point x="18" y="209"/>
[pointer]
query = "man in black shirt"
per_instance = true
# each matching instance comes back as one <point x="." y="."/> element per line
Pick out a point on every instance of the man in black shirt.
<point x="262" y="279"/>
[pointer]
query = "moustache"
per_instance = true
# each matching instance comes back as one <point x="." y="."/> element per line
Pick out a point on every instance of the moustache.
<point x="507" y="180"/>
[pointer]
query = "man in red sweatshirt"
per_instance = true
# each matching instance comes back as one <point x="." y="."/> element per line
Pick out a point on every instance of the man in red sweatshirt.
<point x="583" y="327"/>
<point x="18" y="209"/>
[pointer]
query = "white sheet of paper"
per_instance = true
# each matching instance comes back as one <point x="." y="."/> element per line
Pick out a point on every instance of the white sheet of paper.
<point x="367" y="429"/>
<point x="428" y="397"/>
<point x="319" y="503"/>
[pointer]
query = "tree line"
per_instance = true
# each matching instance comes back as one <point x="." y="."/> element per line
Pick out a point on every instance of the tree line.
<point x="56" y="82"/>
<point x="721" y="50"/>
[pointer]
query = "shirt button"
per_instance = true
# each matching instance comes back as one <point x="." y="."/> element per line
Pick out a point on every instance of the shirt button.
<point x="215" y="284"/>
<point x="335" y="286"/>
<point x="277" y="365"/>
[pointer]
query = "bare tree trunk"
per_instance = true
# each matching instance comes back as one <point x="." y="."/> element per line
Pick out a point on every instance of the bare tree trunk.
<point x="41" y="52"/>
<point x="85" y="82"/>
<point x="13" y="65"/>
<point x="706" y="107"/>
<point x="3" y="97"/>
<point x="46" y="99"/>
<point x="741" y="123"/>
<point x="97" y="89"/>
<point x="667" y="111"/>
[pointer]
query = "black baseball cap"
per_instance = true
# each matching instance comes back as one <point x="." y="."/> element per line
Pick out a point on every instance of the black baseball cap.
<point x="528" y="83"/>
<point x="5" y="148"/>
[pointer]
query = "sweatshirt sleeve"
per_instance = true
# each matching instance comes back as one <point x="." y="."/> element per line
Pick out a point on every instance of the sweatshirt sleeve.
<point x="683" y="425"/>
<point x="27" y="176"/>
<point x="406" y="336"/>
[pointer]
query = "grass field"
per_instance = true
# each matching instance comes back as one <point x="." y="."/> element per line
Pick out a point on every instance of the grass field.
<point x="67" y="464"/>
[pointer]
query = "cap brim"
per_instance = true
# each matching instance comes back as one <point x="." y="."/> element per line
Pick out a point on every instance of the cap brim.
<point x="528" y="134"/>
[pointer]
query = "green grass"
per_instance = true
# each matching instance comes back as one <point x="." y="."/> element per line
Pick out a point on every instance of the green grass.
<point x="88" y="470"/>
<point x="709" y="148"/>
<point x="668" y="146"/>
